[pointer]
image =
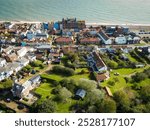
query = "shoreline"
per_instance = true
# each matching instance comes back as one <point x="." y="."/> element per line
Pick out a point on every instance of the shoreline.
<point x="87" y="23"/>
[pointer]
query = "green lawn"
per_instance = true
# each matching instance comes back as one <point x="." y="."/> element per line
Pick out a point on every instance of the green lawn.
<point x="76" y="76"/>
<point x="44" y="90"/>
<point x="125" y="72"/>
<point x="118" y="85"/>
<point x="132" y="59"/>
<point x="53" y="76"/>
<point x="64" y="107"/>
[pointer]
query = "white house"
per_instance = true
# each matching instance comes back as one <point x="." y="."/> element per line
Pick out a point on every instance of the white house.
<point x="96" y="63"/>
<point x="23" y="90"/>
<point x="121" y="39"/>
<point x="31" y="57"/>
<point x="2" y="62"/>
<point x="15" y="66"/>
<point x="103" y="36"/>
<point x="22" y="52"/>
<point x="8" y="72"/>
<point x="23" y="61"/>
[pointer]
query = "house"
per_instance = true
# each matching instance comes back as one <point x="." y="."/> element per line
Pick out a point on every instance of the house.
<point x="2" y="62"/>
<point x="24" y="89"/>
<point x="15" y="66"/>
<point x="102" y="77"/>
<point x="90" y="40"/>
<point x="110" y="31"/>
<point x="146" y="50"/>
<point x="136" y="40"/>
<point x="5" y="72"/>
<point x="35" y="80"/>
<point x="23" y="61"/>
<point x="73" y="24"/>
<point x="41" y="35"/>
<point x="7" y="50"/>
<point x="30" y="57"/>
<point x="8" y="72"/>
<point x="108" y="91"/>
<point x="124" y="57"/>
<point x="17" y="90"/>
<point x="21" y="90"/>
<point x="63" y="41"/>
<point x="80" y="94"/>
<point x="67" y="49"/>
<point x="45" y="26"/>
<point x="139" y="65"/>
<point x="30" y="35"/>
<point x="43" y="48"/>
<point x="22" y="52"/>
<point x="121" y="39"/>
<point x="111" y="50"/>
<point x="96" y="63"/>
<point x="11" y="57"/>
<point x="103" y="36"/>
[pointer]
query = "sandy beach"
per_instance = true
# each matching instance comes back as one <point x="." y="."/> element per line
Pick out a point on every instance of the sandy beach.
<point x="132" y="26"/>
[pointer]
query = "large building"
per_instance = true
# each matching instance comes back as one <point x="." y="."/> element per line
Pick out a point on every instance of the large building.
<point x="73" y="24"/>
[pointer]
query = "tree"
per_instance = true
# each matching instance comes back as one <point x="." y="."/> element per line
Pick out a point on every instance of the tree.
<point x="139" y="108"/>
<point x="94" y="96"/>
<point x="122" y="100"/>
<point x="63" y="70"/>
<point x="63" y="95"/>
<point x="139" y="77"/>
<point x="111" y="83"/>
<point x="47" y="106"/>
<point x="7" y="84"/>
<point x="86" y="84"/>
<point x="108" y="106"/>
<point x="70" y="84"/>
<point x="145" y="93"/>
<point x="112" y="64"/>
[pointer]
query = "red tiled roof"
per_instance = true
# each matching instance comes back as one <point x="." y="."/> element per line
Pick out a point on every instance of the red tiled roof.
<point x="63" y="40"/>
<point x="69" y="49"/>
<point x="89" y="40"/>
<point x="101" y="77"/>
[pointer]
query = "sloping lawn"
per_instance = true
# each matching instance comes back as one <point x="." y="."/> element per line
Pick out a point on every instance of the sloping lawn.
<point x="60" y="77"/>
<point x="127" y="71"/>
<point x="131" y="58"/>
<point x="121" y="83"/>
<point x="118" y="85"/>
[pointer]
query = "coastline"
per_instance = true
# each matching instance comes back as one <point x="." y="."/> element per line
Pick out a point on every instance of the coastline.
<point x="130" y="25"/>
<point x="87" y="23"/>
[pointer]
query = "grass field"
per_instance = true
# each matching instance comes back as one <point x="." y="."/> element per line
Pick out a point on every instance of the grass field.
<point x="121" y="83"/>
<point x="44" y="90"/>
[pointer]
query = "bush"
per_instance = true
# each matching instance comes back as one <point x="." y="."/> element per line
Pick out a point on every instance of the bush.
<point x="111" y="83"/>
<point x="63" y="70"/>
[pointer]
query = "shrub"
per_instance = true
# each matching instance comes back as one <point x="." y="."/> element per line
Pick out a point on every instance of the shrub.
<point x="63" y="70"/>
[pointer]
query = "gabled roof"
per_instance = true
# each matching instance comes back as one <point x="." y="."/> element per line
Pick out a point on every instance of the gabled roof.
<point x="99" y="61"/>
<point x="89" y="40"/>
<point x="63" y="40"/>
<point x="101" y="77"/>
<point x="81" y="93"/>
<point x="103" y="35"/>
<point x="35" y="78"/>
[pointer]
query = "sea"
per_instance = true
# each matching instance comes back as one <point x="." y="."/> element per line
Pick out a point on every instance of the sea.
<point x="93" y="11"/>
